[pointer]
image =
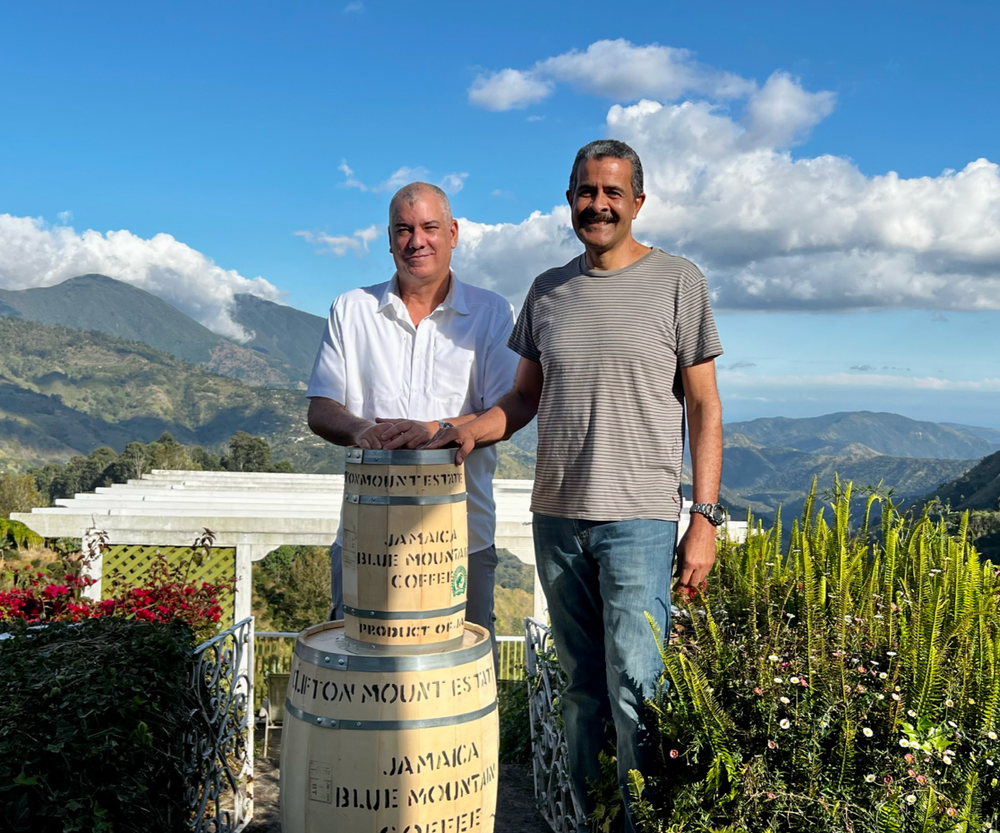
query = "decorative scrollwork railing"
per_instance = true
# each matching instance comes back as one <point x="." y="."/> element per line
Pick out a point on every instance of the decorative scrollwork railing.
<point x="220" y="744"/>
<point x="556" y="801"/>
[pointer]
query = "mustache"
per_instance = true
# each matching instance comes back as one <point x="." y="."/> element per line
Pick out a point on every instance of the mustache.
<point x="588" y="216"/>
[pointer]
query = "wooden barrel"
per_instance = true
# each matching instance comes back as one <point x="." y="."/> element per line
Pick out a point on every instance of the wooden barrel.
<point x="405" y="550"/>
<point x="389" y="744"/>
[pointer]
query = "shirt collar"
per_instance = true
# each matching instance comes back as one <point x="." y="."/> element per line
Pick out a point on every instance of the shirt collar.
<point x="455" y="299"/>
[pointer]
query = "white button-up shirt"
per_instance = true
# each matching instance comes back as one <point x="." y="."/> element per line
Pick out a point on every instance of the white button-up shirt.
<point x="374" y="362"/>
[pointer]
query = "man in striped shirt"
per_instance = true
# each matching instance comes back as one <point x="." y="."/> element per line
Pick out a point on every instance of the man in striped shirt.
<point x="617" y="347"/>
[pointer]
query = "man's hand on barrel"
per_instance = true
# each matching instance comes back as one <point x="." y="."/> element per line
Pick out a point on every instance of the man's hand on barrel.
<point x="405" y="433"/>
<point x="371" y="437"/>
<point x="457" y="435"/>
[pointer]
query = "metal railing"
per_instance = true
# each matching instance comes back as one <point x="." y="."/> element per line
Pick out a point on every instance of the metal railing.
<point x="220" y="743"/>
<point x="272" y="655"/>
<point x="553" y="794"/>
<point x="511" y="658"/>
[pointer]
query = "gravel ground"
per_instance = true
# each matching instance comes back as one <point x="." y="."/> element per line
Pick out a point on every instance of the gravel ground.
<point x="516" y="811"/>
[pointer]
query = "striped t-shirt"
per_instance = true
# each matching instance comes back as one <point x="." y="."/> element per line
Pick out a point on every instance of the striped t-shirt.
<point x="611" y="417"/>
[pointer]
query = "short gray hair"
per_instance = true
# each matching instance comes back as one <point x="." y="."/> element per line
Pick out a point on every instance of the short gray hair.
<point x="603" y="148"/>
<point x="412" y="192"/>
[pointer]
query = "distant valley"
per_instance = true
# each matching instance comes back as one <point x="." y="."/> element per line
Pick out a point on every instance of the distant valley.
<point x="94" y="361"/>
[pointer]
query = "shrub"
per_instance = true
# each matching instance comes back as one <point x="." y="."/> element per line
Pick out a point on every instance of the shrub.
<point x="515" y="721"/>
<point x="92" y="717"/>
<point x="165" y="593"/>
<point x="847" y="683"/>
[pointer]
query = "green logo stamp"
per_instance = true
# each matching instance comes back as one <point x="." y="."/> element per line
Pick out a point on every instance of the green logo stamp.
<point x="459" y="581"/>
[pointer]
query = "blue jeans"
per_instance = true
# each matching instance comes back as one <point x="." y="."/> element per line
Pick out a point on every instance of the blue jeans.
<point x="600" y="579"/>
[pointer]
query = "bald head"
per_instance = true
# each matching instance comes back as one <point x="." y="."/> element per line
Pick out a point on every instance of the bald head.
<point x="409" y="194"/>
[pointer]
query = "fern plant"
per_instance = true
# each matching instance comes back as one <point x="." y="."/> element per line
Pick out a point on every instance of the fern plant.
<point x="846" y="680"/>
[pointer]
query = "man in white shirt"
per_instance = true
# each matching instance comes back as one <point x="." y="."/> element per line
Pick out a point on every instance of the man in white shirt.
<point x="401" y="359"/>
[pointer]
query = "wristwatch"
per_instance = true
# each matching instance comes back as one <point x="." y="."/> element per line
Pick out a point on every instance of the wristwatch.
<point x="715" y="512"/>
<point x="444" y="425"/>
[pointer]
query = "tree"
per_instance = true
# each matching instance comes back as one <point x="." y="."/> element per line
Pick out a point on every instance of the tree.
<point x="205" y="460"/>
<point x="18" y="493"/>
<point x="292" y="587"/>
<point x="133" y="463"/>
<point x="247" y="453"/>
<point x="307" y="599"/>
<point x="81" y="474"/>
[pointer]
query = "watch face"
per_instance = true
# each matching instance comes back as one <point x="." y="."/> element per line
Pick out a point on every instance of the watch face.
<point x="713" y="511"/>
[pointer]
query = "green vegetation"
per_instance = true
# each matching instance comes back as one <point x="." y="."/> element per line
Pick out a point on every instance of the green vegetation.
<point x="94" y="715"/>
<point x="978" y="488"/>
<point x="848" y="681"/>
<point x="513" y="594"/>
<point x="291" y="588"/>
<point x="66" y="392"/>
<point x="281" y="333"/>
<point x="977" y="492"/>
<point x="103" y="467"/>
<point x="99" y="303"/>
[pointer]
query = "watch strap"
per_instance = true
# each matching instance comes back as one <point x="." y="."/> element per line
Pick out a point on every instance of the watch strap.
<point x="714" y="512"/>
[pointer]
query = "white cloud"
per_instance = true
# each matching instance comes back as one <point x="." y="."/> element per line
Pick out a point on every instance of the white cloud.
<point x="508" y="89"/>
<point x="489" y="256"/>
<point x="453" y="183"/>
<point x="622" y="71"/>
<point x="728" y="378"/>
<point x="615" y="69"/>
<point x="401" y="177"/>
<point x="349" y="179"/>
<point x="33" y="254"/>
<point x="354" y="8"/>
<point x="771" y="230"/>
<point x="781" y="112"/>
<point x="340" y="245"/>
<point x="64" y="218"/>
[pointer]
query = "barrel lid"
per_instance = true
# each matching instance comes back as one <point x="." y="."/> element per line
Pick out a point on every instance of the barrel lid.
<point x="326" y="645"/>
<point x="401" y="456"/>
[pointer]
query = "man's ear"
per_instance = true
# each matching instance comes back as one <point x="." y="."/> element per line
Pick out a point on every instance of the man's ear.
<point x="638" y="204"/>
<point x="569" y="196"/>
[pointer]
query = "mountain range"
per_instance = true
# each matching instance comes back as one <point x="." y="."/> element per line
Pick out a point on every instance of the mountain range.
<point x="96" y="361"/>
<point x="279" y="353"/>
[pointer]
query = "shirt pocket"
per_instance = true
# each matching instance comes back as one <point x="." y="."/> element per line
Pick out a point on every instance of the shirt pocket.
<point x="384" y="369"/>
<point x="452" y="374"/>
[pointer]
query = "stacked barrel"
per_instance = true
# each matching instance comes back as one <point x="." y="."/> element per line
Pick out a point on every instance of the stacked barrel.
<point x="390" y="719"/>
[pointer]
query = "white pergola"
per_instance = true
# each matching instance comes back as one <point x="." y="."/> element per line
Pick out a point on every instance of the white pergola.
<point x="255" y="513"/>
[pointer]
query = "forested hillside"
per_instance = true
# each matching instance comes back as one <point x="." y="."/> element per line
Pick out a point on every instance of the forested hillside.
<point x="116" y="308"/>
<point x="66" y="392"/>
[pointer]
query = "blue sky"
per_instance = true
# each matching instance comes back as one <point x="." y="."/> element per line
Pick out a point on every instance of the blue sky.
<point x="199" y="150"/>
